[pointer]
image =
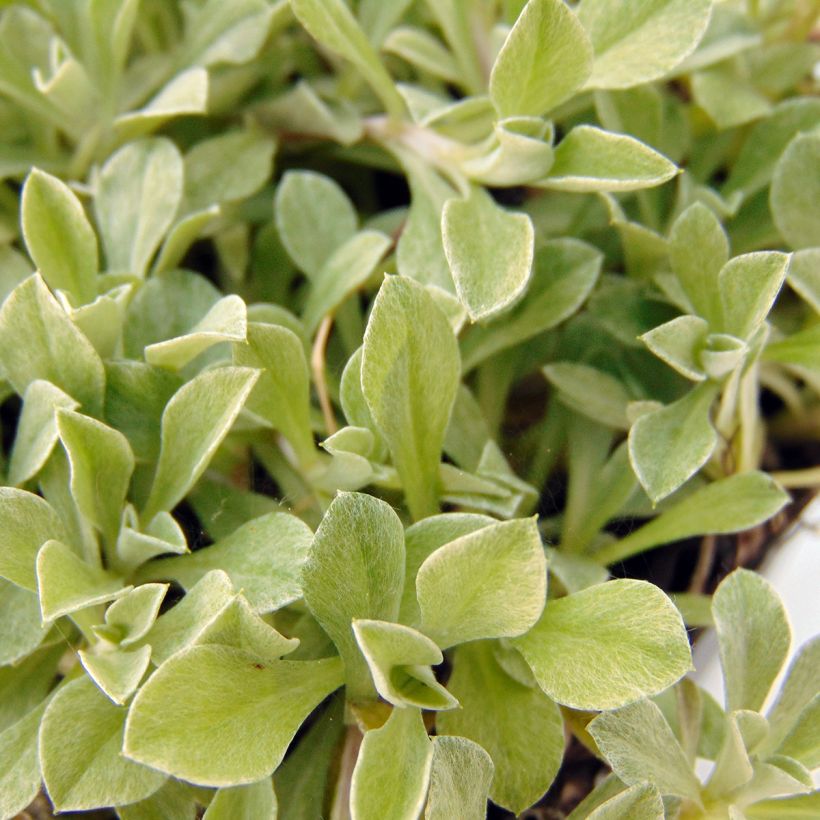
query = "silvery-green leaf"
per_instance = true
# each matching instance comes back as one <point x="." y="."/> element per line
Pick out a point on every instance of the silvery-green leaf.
<point x="175" y="799"/>
<point x="642" y="800"/>
<point x="392" y="772"/>
<point x="738" y="502"/>
<point x="574" y="572"/>
<point x="226" y="321"/>
<point x="332" y="24"/>
<point x="25" y="684"/>
<point x="545" y="59"/>
<point x="20" y="777"/>
<point x="489" y="251"/>
<point x="147" y="171"/>
<point x="26" y="523"/>
<point x="668" y="446"/>
<point x="58" y="236"/>
<point x="132" y="615"/>
<point x="355" y="569"/>
<point x="81" y="752"/>
<point x="117" y="672"/>
<point x="421" y="49"/>
<point x="256" y="801"/>
<point x="14" y="268"/>
<point x="526" y="747"/>
<point x="137" y="544"/>
<point x="802" y="348"/>
<point x="490" y="583"/>
<point x="55" y="350"/>
<point x="589" y="391"/>
<point x="194" y="422"/>
<point x="263" y="558"/>
<point x="640" y="746"/>
<point x="754" y="635"/>
<point x="399" y="658"/>
<point x="226" y="168"/>
<point x="637" y="111"/>
<point x="377" y="17"/>
<point x="408" y="346"/>
<point x="590" y="159"/>
<point x="66" y="583"/>
<point x="728" y="97"/>
<point x="678" y="343"/>
<point x="802" y="743"/>
<point x="607" y="645"/>
<point x="564" y="272"/>
<point x="258" y="707"/>
<point x="20" y="622"/>
<point x="102" y="320"/>
<point x="181" y="235"/>
<point x="641" y="40"/>
<point x="459" y="780"/>
<point x="36" y="429"/>
<point x="795" y="192"/>
<point x="733" y="768"/>
<point x="101" y="464"/>
<point x="304" y="201"/>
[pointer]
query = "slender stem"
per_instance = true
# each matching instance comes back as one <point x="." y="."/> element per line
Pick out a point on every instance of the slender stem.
<point x="317" y="364"/>
<point x="798" y="478"/>
<point x="350" y="753"/>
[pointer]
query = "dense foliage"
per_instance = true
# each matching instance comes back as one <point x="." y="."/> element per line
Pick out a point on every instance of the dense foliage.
<point x="314" y="467"/>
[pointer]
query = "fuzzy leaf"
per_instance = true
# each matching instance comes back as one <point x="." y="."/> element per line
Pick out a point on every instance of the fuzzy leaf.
<point x="170" y="723"/>
<point x="748" y="285"/>
<point x="117" y="673"/>
<point x="795" y="192"/>
<point x="459" y="780"/>
<point x="132" y="615"/>
<point x="591" y="392"/>
<point x="489" y="251"/>
<point x="20" y="777"/>
<point x="678" y="343"/>
<point x="643" y="801"/>
<point x="607" y="645"/>
<point x="544" y="61"/>
<point x="20" y="623"/>
<point x="804" y="276"/>
<point x="256" y="801"/>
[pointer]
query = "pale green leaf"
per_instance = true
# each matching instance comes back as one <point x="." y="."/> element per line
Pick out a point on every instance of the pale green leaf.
<point x="591" y="392"/>
<point x="392" y="772"/>
<point x="802" y="348"/>
<point x="58" y="236"/>
<point x="491" y="583"/>
<point x="132" y="615"/>
<point x="803" y="742"/>
<point x="804" y="275"/>
<point x="181" y="235"/>
<point x="263" y="558"/>
<point x="119" y="672"/>
<point x="408" y="347"/>
<point x="607" y="645"/>
<point x="355" y="569"/>
<point x="55" y="350"/>
<point x="795" y="193"/>
<point x="574" y="572"/>
<point x="256" y="801"/>
<point x="728" y="97"/>
<point x="640" y="746"/>
<point x="20" y="622"/>
<point x="544" y="61"/>
<point x="590" y="159"/>
<point x="422" y="50"/>
<point x="174" y="800"/>
<point x="24" y="685"/>
<point x="802" y="807"/>
<point x="377" y="17"/>
<point x="171" y="721"/>
<point x="678" y="343"/>
<point x="137" y="544"/>
<point x="194" y="422"/>
<point x="733" y="768"/>
<point x="26" y="523"/>
<point x="490" y="253"/>
<point x="102" y="320"/>
<point x="81" y="740"/>
<point x="139" y="190"/>
<point x="754" y="636"/>
<point x="459" y="780"/>
<point x="642" y="801"/>
<point x="66" y="583"/>
<point x="101" y="464"/>
<point x="20" y="777"/>
<point x="399" y="658"/>
<point x="526" y="747"/>
<point x="637" y="41"/>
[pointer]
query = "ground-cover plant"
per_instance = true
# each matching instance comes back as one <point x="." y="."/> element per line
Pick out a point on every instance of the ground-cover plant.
<point x="314" y="476"/>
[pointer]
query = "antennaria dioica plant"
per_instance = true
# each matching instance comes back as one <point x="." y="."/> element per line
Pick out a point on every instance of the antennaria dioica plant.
<point x="289" y="388"/>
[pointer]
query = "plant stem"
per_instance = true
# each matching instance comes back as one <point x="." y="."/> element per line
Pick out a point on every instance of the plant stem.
<point x="317" y="364"/>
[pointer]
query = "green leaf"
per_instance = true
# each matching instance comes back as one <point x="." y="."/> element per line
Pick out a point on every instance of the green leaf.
<point x="668" y="446"/>
<point x="728" y="97"/>
<point x="733" y="768"/>
<point x="731" y="504"/>
<point x="136" y="544"/>
<point x="256" y="801"/>
<point x="641" y="747"/>
<point x="422" y="50"/>
<point x="20" y="623"/>
<point x="591" y="392"/>
<point x="138" y="193"/>
<point x="526" y="747"/>
<point x="754" y="636"/>
<point x="174" y="799"/>
<point x="24" y="685"/>
<point x="58" y="236"/>
<point x="305" y="200"/>
<point x="544" y="61"/>
<point x="55" y="350"/>
<point x="399" y="658"/>
<point x="377" y="17"/>
<point x="590" y="159"/>
<point x="489" y="251"/>
<point x="26" y="523"/>
<point x="641" y="801"/>
<point x="332" y="24"/>
<point x="101" y="465"/>
<point x="795" y="192"/>
<point x="607" y="645"/>
<point x="66" y="583"/>
<point x="130" y="617"/>
<point x="408" y="347"/>
<point x="460" y="780"/>
<point x="36" y="432"/>
<point x="803" y="742"/>
<point x="257" y="709"/>
<point x="491" y="583"/>
<point x="355" y="569"/>
<point x="637" y="41"/>
<point x="20" y="764"/>
<point x="119" y="672"/>
<point x="81" y="752"/>
<point x="392" y="772"/>
<point x="263" y="558"/>
<point x="802" y="807"/>
<point x="195" y="420"/>
<point x="678" y="343"/>
<point x="748" y="285"/>
<point x="563" y="275"/>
